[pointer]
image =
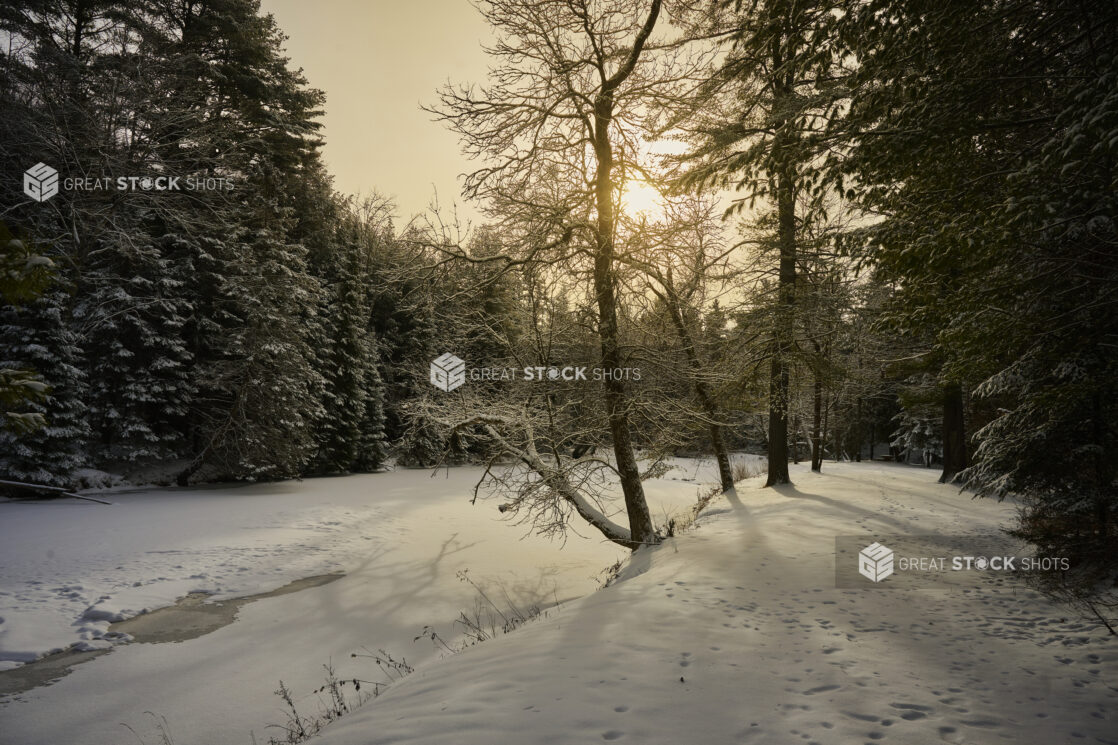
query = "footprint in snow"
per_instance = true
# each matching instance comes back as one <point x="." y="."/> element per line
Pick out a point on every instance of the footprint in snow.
<point x="860" y="717"/>
<point x="912" y="712"/>
<point x="820" y="689"/>
<point x="612" y="734"/>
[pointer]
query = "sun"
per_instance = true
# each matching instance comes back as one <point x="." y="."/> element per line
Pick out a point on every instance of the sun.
<point x="641" y="199"/>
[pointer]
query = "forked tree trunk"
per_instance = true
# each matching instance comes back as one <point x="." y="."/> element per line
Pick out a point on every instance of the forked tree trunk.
<point x="640" y="521"/>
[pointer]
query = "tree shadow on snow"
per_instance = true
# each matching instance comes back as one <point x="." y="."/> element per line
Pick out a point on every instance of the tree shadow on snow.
<point x="790" y="491"/>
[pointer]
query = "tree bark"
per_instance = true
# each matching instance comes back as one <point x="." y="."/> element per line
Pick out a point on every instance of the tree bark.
<point x="861" y="433"/>
<point x="782" y="337"/>
<point x="817" y="425"/>
<point x="640" y="521"/>
<point x="794" y="440"/>
<point x="954" y="435"/>
<point x="702" y="390"/>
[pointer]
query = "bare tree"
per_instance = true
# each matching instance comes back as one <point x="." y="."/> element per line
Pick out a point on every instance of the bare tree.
<point x="685" y="257"/>
<point x="530" y="470"/>
<point x="565" y="112"/>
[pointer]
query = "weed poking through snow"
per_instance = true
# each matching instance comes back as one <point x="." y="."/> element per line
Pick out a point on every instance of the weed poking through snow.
<point x="335" y="698"/>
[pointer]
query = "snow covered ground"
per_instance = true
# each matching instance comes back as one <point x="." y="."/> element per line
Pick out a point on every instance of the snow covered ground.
<point x="68" y="568"/>
<point x="733" y="632"/>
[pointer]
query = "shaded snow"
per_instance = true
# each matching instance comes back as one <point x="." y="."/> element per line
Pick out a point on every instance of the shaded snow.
<point x="735" y="633"/>
<point x="67" y="569"/>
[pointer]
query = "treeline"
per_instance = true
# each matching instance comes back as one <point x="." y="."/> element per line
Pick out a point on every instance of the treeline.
<point x="985" y="136"/>
<point x="920" y="252"/>
<point x="244" y="329"/>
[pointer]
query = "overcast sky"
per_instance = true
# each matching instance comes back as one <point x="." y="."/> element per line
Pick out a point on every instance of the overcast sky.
<point x="377" y="60"/>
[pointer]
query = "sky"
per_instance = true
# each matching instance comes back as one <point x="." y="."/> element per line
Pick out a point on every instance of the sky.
<point x="377" y="61"/>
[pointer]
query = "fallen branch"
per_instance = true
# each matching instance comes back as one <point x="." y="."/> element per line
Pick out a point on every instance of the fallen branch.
<point x="54" y="491"/>
<point x="554" y="478"/>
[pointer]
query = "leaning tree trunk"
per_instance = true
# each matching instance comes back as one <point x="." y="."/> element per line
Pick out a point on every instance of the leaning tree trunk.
<point x="954" y="434"/>
<point x="702" y="390"/>
<point x="782" y="336"/>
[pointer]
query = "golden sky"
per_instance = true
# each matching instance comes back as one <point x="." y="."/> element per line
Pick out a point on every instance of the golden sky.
<point x="377" y="60"/>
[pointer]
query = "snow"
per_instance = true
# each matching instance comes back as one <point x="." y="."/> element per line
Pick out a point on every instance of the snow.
<point x="732" y="632"/>
<point x="68" y="568"/>
<point x="735" y="633"/>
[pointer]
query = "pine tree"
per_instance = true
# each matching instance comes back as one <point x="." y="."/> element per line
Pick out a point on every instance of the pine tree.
<point x="781" y="84"/>
<point x="24" y="275"/>
<point x="133" y="317"/>
<point x="37" y="337"/>
<point x="352" y="429"/>
<point x="998" y="195"/>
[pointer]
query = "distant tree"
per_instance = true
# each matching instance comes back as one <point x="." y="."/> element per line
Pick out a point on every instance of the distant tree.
<point x="351" y="432"/>
<point x="687" y="256"/>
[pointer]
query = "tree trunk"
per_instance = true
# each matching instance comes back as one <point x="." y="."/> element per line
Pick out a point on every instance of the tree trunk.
<point x="795" y="440"/>
<point x="702" y="390"/>
<point x="778" y="424"/>
<point x="640" y="521"/>
<point x="183" y="477"/>
<point x="954" y="435"/>
<point x="861" y="433"/>
<point x="725" y="473"/>
<point x="782" y="338"/>
<point x="817" y="426"/>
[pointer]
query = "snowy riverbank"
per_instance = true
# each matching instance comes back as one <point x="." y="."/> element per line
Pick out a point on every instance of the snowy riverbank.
<point x="733" y="632"/>
<point x="68" y="568"/>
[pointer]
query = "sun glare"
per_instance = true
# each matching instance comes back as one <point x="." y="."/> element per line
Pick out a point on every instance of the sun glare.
<point x="640" y="199"/>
